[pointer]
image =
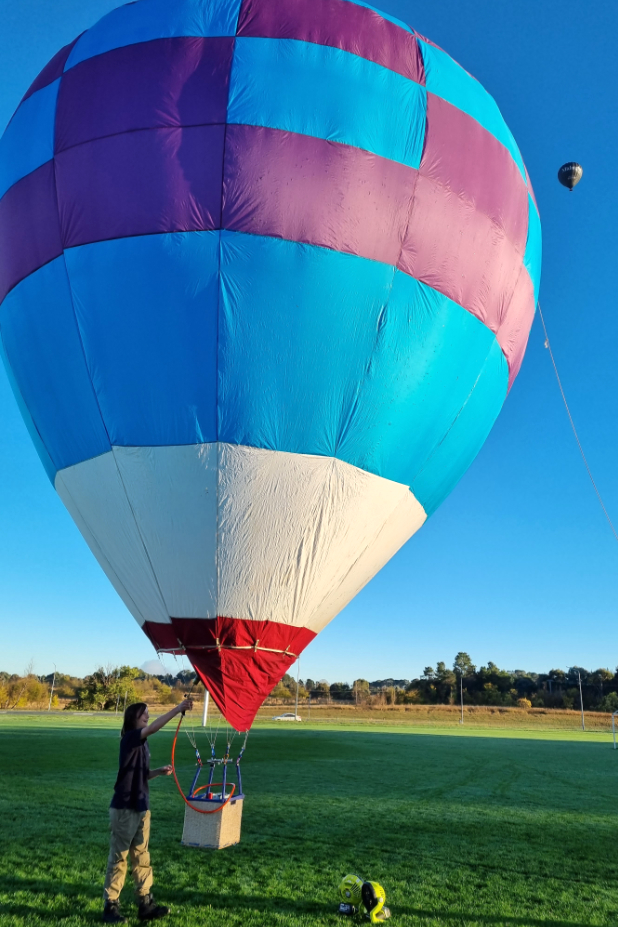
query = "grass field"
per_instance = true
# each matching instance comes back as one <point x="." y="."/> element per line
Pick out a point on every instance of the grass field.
<point x="461" y="826"/>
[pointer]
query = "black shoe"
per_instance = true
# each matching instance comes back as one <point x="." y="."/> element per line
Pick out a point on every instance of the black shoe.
<point x="111" y="913"/>
<point x="149" y="910"/>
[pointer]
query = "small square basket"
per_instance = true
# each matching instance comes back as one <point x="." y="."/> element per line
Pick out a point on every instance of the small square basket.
<point x="213" y="831"/>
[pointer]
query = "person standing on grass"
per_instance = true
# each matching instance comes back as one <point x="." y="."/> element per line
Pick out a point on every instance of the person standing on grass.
<point x="129" y="814"/>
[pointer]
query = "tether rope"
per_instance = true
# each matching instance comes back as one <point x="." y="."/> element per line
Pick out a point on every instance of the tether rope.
<point x="566" y="406"/>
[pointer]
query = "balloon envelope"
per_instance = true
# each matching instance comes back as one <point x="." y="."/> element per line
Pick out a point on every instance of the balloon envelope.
<point x="267" y="275"/>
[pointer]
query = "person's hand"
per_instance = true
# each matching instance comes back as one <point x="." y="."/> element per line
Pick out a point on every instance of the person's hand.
<point x="186" y="705"/>
<point x="165" y="770"/>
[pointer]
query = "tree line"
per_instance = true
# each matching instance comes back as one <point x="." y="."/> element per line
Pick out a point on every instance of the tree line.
<point x="111" y="688"/>
<point x="108" y="688"/>
<point x="485" y="685"/>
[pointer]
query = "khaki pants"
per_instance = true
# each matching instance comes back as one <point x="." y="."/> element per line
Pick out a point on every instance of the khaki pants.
<point x="130" y="832"/>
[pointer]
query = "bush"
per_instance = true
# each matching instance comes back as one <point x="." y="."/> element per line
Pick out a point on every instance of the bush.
<point x="169" y="696"/>
<point x="609" y="703"/>
<point x="524" y="703"/>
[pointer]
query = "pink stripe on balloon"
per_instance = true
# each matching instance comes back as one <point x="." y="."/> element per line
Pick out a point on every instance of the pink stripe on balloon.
<point x="141" y="183"/>
<point x="472" y="164"/>
<point x="515" y="326"/>
<point x="338" y="24"/>
<point x="29" y="227"/>
<point x="460" y="252"/>
<point x="163" y="83"/>
<point x="310" y="190"/>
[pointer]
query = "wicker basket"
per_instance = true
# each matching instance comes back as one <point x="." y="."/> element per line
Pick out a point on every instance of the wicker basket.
<point x="214" y="831"/>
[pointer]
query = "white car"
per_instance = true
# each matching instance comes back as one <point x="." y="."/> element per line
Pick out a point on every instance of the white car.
<point x="288" y="716"/>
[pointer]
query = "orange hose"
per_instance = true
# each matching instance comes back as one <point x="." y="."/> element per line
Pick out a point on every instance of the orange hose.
<point x="184" y="797"/>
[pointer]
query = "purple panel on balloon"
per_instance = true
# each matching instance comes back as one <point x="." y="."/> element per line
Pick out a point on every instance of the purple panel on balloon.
<point x="52" y="70"/>
<point x="310" y="190"/>
<point x="472" y="164"/>
<point x="460" y="252"/>
<point x="29" y="227"/>
<point x="338" y="24"/>
<point x="141" y="183"/>
<point x="167" y="82"/>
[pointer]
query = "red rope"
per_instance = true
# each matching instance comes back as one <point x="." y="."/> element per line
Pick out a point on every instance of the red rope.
<point x="184" y="797"/>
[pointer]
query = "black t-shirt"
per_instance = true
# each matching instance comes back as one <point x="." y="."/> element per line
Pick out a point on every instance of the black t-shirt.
<point x="131" y="788"/>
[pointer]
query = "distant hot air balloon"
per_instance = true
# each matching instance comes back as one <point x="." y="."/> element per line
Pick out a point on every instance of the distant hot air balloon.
<point x="570" y="174"/>
<point x="267" y="273"/>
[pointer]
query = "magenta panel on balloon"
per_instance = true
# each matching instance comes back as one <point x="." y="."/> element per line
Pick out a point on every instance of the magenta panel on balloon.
<point x="515" y="327"/>
<point x="310" y="190"/>
<point x="338" y="24"/>
<point x="472" y="164"/>
<point x="29" y="227"/>
<point x="52" y="70"/>
<point x="141" y="183"/>
<point x="460" y="252"/>
<point x="163" y="83"/>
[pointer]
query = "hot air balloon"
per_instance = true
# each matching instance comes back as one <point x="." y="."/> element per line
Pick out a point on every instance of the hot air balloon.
<point x="267" y="274"/>
<point x="570" y="174"/>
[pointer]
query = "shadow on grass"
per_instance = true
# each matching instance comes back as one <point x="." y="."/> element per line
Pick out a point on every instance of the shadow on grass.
<point x="66" y="901"/>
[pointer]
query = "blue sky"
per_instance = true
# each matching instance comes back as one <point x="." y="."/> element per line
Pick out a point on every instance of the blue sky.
<point x="518" y="565"/>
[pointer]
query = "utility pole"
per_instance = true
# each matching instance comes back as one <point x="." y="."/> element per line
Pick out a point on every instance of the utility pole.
<point x="461" y="695"/>
<point x="581" y="700"/>
<point x="206" y="700"/>
<point x="51" y="694"/>
<point x="297" y="678"/>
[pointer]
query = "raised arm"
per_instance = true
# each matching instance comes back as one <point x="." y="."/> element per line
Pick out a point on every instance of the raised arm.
<point x="158" y="723"/>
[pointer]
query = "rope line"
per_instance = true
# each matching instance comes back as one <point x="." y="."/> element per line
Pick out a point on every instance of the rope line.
<point x="180" y="650"/>
<point x="566" y="406"/>
<point x="184" y="798"/>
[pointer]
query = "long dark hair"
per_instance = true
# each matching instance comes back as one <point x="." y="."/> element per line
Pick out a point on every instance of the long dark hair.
<point x="131" y="715"/>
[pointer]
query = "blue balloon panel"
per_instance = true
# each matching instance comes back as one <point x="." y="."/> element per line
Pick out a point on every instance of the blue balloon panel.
<point x="54" y="382"/>
<point x="149" y="331"/>
<point x="327" y="93"/>
<point x="28" y="141"/>
<point x="128" y="25"/>
<point x="332" y="354"/>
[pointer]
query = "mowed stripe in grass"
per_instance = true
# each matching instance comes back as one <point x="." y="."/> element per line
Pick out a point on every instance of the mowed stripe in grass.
<point x="469" y="829"/>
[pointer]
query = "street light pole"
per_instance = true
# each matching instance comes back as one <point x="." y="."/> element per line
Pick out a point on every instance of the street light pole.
<point x="206" y="700"/>
<point x="461" y="695"/>
<point x="581" y="700"/>
<point x="51" y="694"/>
<point x="297" y="678"/>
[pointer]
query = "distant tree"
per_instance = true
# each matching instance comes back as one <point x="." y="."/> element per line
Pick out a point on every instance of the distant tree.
<point x="107" y="688"/>
<point x="463" y="664"/>
<point x="309" y="685"/>
<point x="609" y="702"/>
<point x="340" y="691"/>
<point x="281" y="691"/>
<point x="360" y="688"/>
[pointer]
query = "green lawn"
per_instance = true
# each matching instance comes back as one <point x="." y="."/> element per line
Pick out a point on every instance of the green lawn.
<point x="460" y="826"/>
